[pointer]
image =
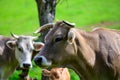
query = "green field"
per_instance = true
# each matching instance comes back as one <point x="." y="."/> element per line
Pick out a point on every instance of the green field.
<point x="21" y="17"/>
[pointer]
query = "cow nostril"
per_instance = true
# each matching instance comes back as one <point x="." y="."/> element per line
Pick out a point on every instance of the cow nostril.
<point x="38" y="60"/>
<point x="25" y="65"/>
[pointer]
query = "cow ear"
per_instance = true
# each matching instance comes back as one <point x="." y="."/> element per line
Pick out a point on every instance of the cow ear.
<point x="46" y="72"/>
<point x="71" y="37"/>
<point x="57" y="76"/>
<point x="38" y="46"/>
<point x="11" y="44"/>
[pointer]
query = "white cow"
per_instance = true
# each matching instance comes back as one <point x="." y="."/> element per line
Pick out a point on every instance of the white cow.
<point x="14" y="52"/>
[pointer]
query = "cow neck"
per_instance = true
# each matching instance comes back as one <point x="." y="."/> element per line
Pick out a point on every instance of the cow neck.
<point x="85" y="60"/>
<point x="11" y="56"/>
<point x="85" y="42"/>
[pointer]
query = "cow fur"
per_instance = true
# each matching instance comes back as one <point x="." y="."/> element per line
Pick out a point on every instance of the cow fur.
<point x="57" y="74"/>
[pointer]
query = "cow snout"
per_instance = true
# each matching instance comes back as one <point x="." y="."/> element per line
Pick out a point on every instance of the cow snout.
<point x="26" y="65"/>
<point x="38" y="60"/>
<point x="42" y="61"/>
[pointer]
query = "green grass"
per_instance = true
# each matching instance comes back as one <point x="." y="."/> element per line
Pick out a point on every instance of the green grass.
<point x="21" y="17"/>
<point x="85" y="12"/>
<point x="34" y="72"/>
<point x="18" y="16"/>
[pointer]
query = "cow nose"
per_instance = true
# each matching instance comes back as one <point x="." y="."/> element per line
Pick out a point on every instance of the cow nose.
<point x="38" y="60"/>
<point x="26" y="65"/>
<point x="42" y="61"/>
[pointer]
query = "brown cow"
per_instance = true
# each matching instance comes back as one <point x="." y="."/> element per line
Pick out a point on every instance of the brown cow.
<point x="93" y="55"/>
<point x="14" y="52"/>
<point x="57" y="74"/>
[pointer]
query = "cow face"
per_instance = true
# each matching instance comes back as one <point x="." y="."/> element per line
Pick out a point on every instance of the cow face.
<point x="54" y="74"/>
<point x="24" y="46"/>
<point x="58" y="48"/>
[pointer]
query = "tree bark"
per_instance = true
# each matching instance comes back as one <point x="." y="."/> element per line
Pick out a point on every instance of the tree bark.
<point x="46" y="13"/>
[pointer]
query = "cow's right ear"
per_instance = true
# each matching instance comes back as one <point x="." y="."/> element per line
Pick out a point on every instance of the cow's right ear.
<point x="11" y="44"/>
<point x="71" y="37"/>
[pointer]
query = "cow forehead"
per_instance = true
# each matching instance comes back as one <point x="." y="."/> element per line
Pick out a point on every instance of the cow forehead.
<point x="56" y="31"/>
<point x="24" y="40"/>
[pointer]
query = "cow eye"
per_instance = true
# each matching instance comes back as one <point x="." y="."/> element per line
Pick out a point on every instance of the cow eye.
<point x="58" y="39"/>
<point x="20" y="49"/>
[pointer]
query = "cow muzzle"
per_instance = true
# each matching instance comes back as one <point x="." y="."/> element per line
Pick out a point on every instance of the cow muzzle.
<point x="26" y="65"/>
<point x="41" y="61"/>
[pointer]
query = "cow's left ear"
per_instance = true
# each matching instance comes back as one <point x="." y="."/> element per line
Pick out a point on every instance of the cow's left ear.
<point x="46" y="72"/>
<point x="11" y="44"/>
<point x="38" y="45"/>
<point x="71" y="37"/>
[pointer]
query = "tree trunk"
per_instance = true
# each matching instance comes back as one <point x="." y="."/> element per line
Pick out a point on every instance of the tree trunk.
<point x="46" y="13"/>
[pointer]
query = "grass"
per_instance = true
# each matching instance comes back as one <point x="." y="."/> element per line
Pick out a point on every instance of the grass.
<point x="18" y="16"/>
<point x="85" y="12"/>
<point x="21" y="17"/>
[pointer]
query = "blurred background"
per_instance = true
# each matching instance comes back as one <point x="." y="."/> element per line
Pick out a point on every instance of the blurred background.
<point x="21" y="17"/>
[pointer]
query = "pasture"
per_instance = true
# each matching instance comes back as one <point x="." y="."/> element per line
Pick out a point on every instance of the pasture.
<point x="21" y="17"/>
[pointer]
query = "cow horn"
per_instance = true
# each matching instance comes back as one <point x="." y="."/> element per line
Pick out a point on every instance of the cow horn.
<point x="34" y="37"/>
<point x="71" y="25"/>
<point x="44" y="28"/>
<point x="15" y="36"/>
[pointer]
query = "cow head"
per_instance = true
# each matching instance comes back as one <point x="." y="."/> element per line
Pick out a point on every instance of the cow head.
<point x="53" y="74"/>
<point x="59" y="47"/>
<point x="24" y="46"/>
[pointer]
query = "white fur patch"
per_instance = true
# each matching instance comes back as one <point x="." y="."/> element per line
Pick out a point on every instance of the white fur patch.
<point x="45" y="62"/>
<point x="24" y="56"/>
